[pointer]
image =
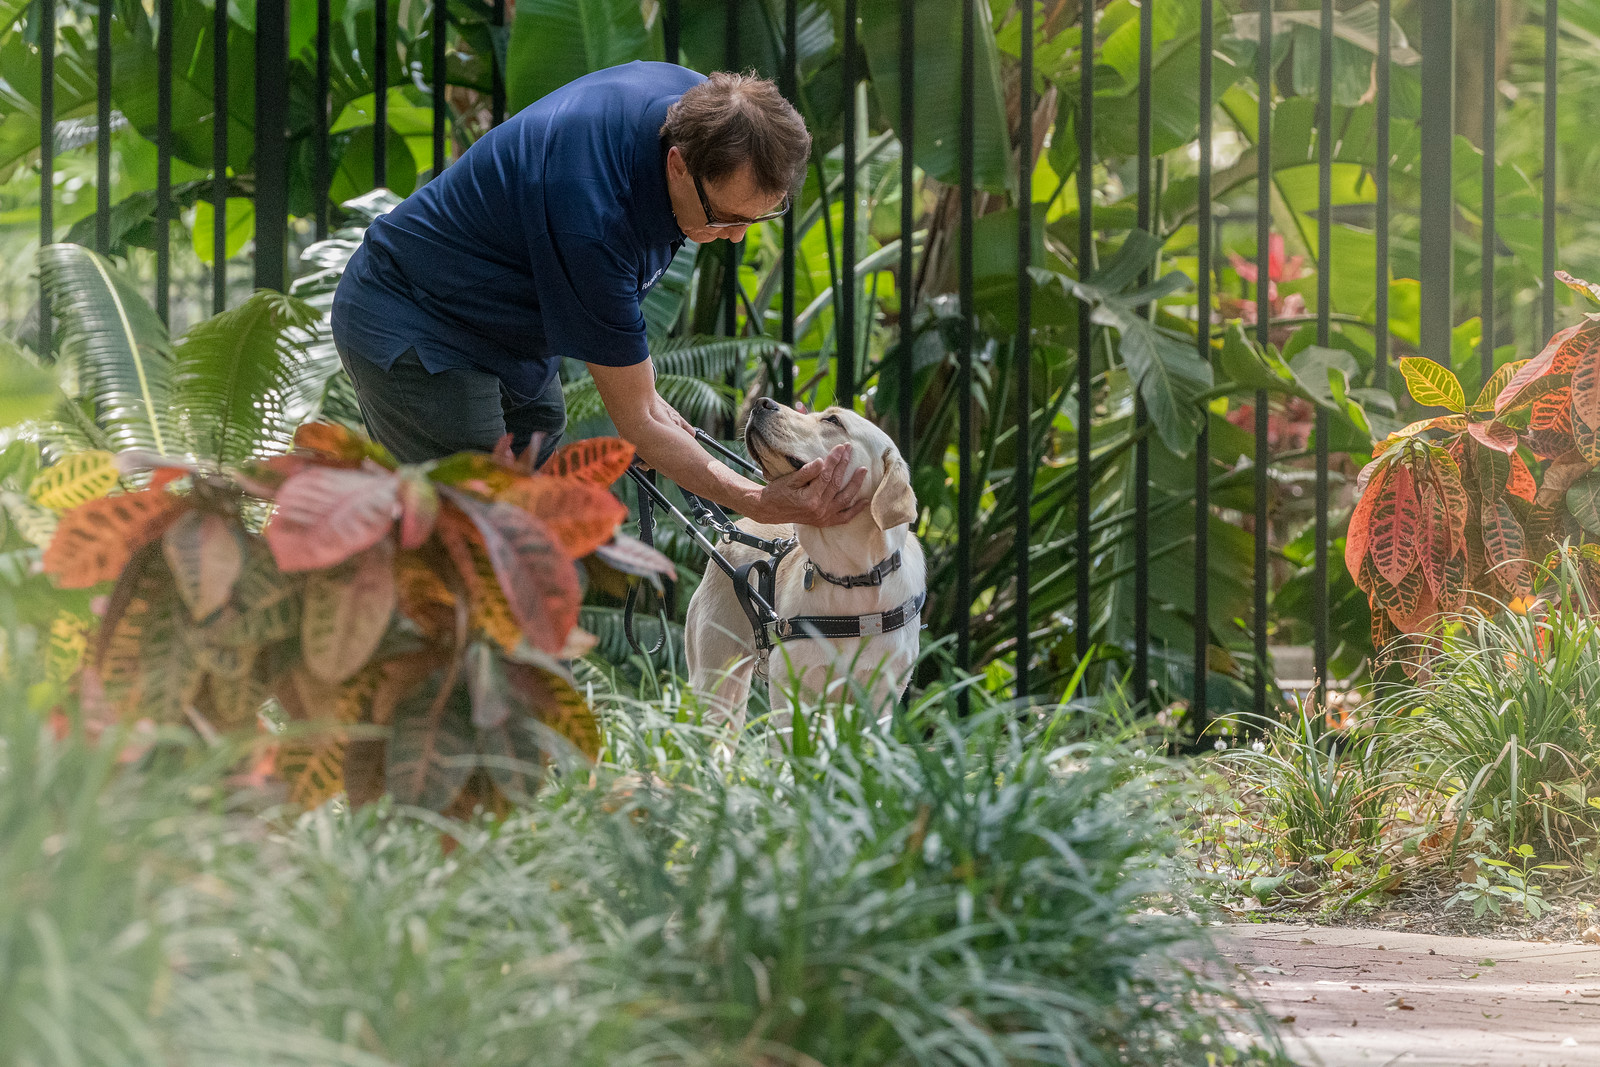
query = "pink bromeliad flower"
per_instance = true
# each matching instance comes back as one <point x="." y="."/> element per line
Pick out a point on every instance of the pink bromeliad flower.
<point x="1279" y="269"/>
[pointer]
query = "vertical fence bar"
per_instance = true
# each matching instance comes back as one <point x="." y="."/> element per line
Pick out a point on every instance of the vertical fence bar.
<point x="669" y="30"/>
<point x="102" y="186"/>
<point x="219" y="156"/>
<point x="964" y="495"/>
<point x="497" y="75"/>
<point x="47" y="165"/>
<point x="272" y="144"/>
<point x="1263" y="453"/>
<point x="845" y="317"/>
<point x="1024" y="345"/>
<point x="1438" y="201"/>
<point x="1319" y="578"/>
<point x="1547" y="281"/>
<point x="1085" y="419"/>
<point x="163" y="157"/>
<point x="1198" y="707"/>
<point x="791" y="89"/>
<point x="735" y="250"/>
<point x="321" y="164"/>
<point x="908" y="216"/>
<point x="1491" y="34"/>
<point x="1380" y="186"/>
<point x="380" y="93"/>
<point x="441" y="88"/>
<point x="1141" y="417"/>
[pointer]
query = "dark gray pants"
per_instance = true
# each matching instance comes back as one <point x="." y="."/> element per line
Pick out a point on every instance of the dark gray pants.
<point x="420" y="416"/>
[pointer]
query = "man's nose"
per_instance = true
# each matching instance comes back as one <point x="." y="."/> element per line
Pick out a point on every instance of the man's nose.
<point x="733" y="233"/>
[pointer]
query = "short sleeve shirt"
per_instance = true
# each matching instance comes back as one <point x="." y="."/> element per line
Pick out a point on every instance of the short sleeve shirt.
<point x="538" y="243"/>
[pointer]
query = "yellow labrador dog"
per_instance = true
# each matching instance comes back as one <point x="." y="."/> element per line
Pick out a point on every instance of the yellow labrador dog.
<point x="866" y="578"/>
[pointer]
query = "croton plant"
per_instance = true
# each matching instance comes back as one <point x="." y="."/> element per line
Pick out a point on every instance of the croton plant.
<point x="1468" y="507"/>
<point x="431" y="604"/>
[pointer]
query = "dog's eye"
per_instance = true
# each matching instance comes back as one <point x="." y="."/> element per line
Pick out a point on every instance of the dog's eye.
<point x="836" y="420"/>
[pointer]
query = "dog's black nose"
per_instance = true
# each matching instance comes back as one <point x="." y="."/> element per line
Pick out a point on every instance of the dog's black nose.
<point x="766" y="403"/>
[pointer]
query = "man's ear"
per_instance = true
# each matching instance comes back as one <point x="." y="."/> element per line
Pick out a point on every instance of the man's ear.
<point x="893" y="503"/>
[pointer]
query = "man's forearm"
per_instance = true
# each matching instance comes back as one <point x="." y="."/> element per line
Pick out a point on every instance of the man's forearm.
<point x="666" y="446"/>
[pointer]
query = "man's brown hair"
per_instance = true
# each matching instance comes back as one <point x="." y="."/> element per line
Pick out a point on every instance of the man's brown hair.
<point x="730" y="120"/>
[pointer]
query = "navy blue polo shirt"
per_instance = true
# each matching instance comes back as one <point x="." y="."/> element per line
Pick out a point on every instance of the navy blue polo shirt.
<point x="538" y="243"/>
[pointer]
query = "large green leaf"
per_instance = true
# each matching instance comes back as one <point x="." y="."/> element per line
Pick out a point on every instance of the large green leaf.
<point x="123" y="356"/>
<point x="355" y="173"/>
<point x="1169" y="373"/>
<point x="27" y="390"/>
<point x="134" y="81"/>
<point x="236" y="374"/>
<point x="555" y="41"/>
<point x="19" y="91"/>
<point x="937" y="78"/>
<point x="240" y="215"/>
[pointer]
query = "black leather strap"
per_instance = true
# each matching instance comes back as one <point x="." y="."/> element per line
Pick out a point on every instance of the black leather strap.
<point x="875" y="576"/>
<point x="842" y="626"/>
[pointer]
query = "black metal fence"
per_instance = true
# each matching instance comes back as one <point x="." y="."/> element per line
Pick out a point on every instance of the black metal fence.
<point x="1438" y="229"/>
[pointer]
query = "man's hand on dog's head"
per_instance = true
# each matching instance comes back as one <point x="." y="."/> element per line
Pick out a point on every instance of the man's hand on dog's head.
<point x="824" y="492"/>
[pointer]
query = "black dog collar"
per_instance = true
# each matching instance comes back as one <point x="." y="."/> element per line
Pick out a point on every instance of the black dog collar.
<point x="852" y="581"/>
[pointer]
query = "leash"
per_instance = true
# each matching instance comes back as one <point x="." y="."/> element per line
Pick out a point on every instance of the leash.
<point x="757" y="598"/>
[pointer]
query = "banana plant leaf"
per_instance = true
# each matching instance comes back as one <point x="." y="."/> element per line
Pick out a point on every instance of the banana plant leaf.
<point x="937" y="82"/>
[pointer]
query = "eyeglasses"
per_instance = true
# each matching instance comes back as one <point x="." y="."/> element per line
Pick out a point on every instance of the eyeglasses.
<point x="711" y="216"/>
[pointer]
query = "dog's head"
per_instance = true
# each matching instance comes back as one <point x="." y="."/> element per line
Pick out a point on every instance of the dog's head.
<point x="782" y="440"/>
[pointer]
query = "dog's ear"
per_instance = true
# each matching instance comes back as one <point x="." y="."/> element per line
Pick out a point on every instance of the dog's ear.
<point x="893" y="503"/>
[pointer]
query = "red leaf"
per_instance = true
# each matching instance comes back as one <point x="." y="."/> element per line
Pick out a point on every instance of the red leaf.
<point x="1400" y="599"/>
<point x="1455" y="578"/>
<point x="539" y="581"/>
<point x="205" y="558"/>
<point x="1435" y="550"/>
<point x="332" y="441"/>
<point x="1360" y="530"/>
<point x="601" y="460"/>
<point x="1533" y="370"/>
<point x="1505" y="545"/>
<point x="1494" y="471"/>
<point x="1582" y="356"/>
<point x="1563" y="470"/>
<point x="1586" y="436"/>
<point x="1496" y="435"/>
<point x="325" y="515"/>
<point x="1395" y="526"/>
<point x="1521" y="482"/>
<point x="419" y="510"/>
<point x="1446" y="477"/>
<point x="582" y="515"/>
<point x="346" y="613"/>
<point x="95" y="540"/>
<point x="632" y="556"/>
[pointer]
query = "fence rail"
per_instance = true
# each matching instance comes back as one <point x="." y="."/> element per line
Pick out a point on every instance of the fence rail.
<point x="1228" y="34"/>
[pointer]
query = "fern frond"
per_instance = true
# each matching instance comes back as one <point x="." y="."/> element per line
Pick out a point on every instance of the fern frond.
<point x="235" y="375"/>
<point x="123" y="355"/>
<point x="711" y="357"/>
<point x="698" y="401"/>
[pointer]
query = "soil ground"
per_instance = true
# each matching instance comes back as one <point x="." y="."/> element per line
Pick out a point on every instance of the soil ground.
<point x="1348" y="996"/>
